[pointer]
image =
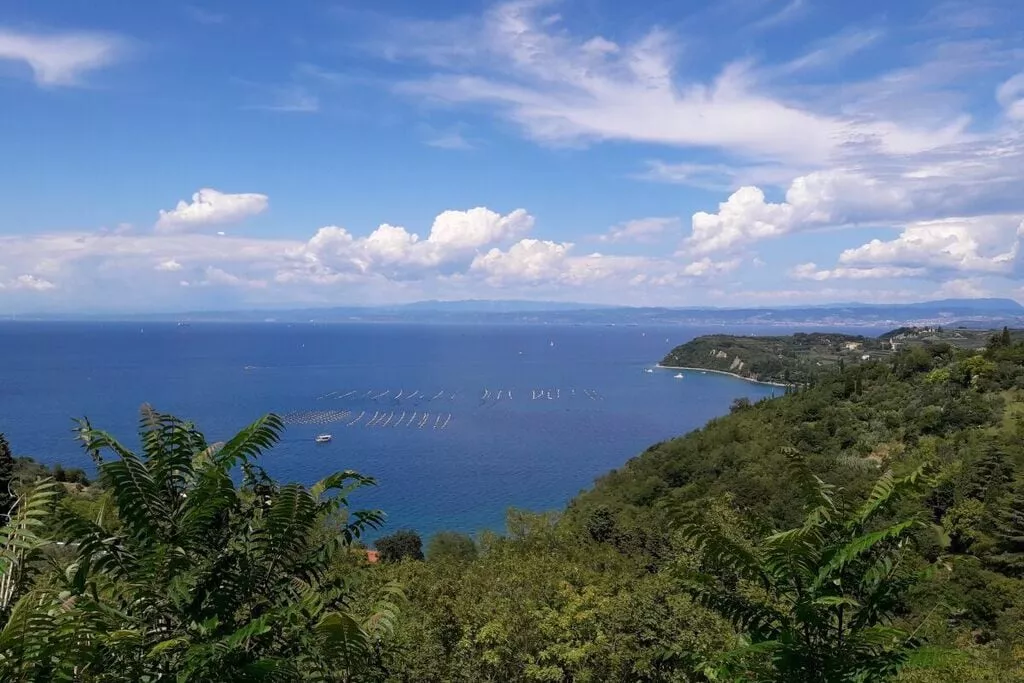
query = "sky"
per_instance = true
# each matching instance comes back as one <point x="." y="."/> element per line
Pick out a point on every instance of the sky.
<point x="252" y="154"/>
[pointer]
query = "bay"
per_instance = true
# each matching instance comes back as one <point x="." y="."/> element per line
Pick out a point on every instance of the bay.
<point x="517" y="415"/>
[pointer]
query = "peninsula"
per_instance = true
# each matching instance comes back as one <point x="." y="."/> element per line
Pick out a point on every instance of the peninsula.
<point x="797" y="358"/>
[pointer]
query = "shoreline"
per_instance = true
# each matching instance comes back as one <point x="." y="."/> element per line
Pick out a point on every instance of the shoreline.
<point x="723" y="372"/>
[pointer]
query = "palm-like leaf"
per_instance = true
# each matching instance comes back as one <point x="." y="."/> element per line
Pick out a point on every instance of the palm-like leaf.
<point x="813" y="601"/>
<point x="199" y="578"/>
<point x="21" y="540"/>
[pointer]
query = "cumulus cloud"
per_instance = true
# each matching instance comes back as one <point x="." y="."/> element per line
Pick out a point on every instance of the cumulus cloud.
<point x="528" y="260"/>
<point x="477" y="227"/>
<point x="61" y="59"/>
<point x="705" y="267"/>
<point x="454" y="238"/>
<point x="817" y="199"/>
<point x="32" y="282"/>
<point x="640" y="230"/>
<point x="980" y="244"/>
<point x="534" y="262"/>
<point x="211" y="207"/>
<point x="894" y="149"/>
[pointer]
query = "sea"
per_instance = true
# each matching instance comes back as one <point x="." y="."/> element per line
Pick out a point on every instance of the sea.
<point x="457" y="423"/>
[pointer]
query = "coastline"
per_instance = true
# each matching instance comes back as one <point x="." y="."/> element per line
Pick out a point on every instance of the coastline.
<point x="723" y="372"/>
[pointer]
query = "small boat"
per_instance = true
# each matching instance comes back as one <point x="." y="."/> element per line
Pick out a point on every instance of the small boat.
<point x="678" y="375"/>
<point x="649" y="371"/>
<point x="323" y="438"/>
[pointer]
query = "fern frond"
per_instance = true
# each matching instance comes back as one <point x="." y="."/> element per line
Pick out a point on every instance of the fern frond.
<point x="717" y="547"/>
<point x="251" y="442"/>
<point x="859" y="546"/>
<point x="22" y="538"/>
<point x="887" y="489"/>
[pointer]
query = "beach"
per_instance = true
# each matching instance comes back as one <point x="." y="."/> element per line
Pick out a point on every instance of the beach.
<point x="724" y="372"/>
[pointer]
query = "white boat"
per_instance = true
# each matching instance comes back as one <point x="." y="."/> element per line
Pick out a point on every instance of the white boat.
<point x="323" y="438"/>
<point x="648" y="370"/>
<point x="678" y="375"/>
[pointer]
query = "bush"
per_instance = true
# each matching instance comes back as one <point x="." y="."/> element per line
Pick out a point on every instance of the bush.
<point x="403" y="544"/>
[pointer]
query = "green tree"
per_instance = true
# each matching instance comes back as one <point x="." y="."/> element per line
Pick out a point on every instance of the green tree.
<point x="812" y="603"/>
<point x="451" y="545"/>
<point x="1009" y="534"/>
<point x="200" y="579"/>
<point x="403" y="544"/>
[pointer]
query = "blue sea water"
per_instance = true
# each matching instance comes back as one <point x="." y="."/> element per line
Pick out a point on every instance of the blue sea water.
<point x="574" y="402"/>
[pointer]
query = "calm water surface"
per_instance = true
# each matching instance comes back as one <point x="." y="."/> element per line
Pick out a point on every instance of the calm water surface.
<point x="574" y="402"/>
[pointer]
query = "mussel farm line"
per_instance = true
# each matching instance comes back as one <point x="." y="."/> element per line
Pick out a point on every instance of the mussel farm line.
<point x="378" y="419"/>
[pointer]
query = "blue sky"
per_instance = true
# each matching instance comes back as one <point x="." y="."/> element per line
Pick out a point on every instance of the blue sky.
<point x="168" y="156"/>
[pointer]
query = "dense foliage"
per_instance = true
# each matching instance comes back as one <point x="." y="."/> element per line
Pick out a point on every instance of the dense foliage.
<point x="192" y="577"/>
<point x="404" y="544"/>
<point x="794" y="359"/>
<point x="801" y="358"/>
<point x="867" y="526"/>
<point x="815" y="601"/>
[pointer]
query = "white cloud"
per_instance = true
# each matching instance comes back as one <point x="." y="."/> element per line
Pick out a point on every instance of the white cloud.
<point x="168" y="266"/>
<point x="545" y="262"/>
<point x="218" y="276"/>
<point x="831" y="50"/>
<point x="817" y="199"/>
<point x="705" y="267"/>
<point x="810" y="271"/>
<point x="1011" y="96"/>
<point x="790" y="11"/>
<point x="32" y="282"/>
<point x="61" y="59"/>
<point x="528" y="260"/>
<point x="566" y="89"/>
<point x="963" y="288"/>
<point x="980" y="244"/>
<point x="454" y="238"/>
<point x="742" y="219"/>
<point x="448" y="140"/>
<point x="210" y="207"/>
<point x="640" y="230"/>
<point x="477" y="227"/>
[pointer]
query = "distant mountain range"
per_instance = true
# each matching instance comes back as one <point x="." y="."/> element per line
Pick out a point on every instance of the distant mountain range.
<point x="966" y="312"/>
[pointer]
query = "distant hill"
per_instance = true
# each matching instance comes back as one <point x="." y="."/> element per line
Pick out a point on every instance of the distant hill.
<point x="497" y="306"/>
<point x="978" y="313"/>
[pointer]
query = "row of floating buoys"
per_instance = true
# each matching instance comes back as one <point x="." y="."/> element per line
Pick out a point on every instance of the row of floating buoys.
<point x="377" y="395"/>
<point x="379" y="418"/>
<point x="315" y="417"/>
